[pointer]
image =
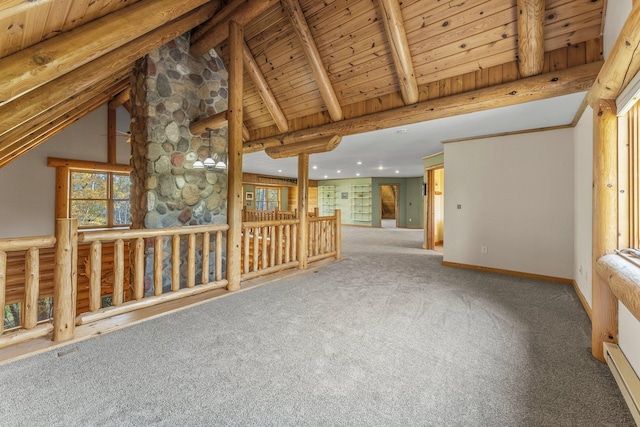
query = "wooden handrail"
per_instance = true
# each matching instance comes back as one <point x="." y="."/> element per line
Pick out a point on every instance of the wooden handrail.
<point x="110" y="235"/>
<point x="23" y="243"/>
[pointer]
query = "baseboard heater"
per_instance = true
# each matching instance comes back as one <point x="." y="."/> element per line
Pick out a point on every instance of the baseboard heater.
<point x="626" y="378"/>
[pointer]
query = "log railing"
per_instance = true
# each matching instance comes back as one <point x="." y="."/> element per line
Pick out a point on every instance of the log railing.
<point x="268" y="247"/>
<point x="249" y="215"/>
<point x="271" y="246"/>
<point x="168" y="283"/>
<point x="173" y="263"/>
<point x="325" y="237"/>
<point x="28" y="327"/>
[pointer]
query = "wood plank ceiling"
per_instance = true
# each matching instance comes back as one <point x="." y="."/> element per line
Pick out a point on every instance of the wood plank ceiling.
<point x="308" y="63"/>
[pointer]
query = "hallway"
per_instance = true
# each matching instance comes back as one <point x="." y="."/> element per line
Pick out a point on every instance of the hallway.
<point x="387" y="336"/>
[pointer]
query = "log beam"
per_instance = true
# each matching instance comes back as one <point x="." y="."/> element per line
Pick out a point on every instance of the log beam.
<point x="320" y="145"/>
<point x="530" y="37"/>
<point x="240" y="11"/>
<point x="24" y="108"/>
<point x="557" y="83"/>
<point x="120" y="99"/>
<point x="235" y="197"/>
<point x="23" y="138"/>
<point x="215" y="122"/>
<point x="394" y="27"/>
<point x="54" y="57"/>
<point x="604" y="314"/>
<point x="293" y="9"/>
<point x="623" y="62"/>
<point x="264" y="90"/>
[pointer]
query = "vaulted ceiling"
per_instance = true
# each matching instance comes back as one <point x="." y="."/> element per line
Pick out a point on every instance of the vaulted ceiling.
<point x="312" y="68"/>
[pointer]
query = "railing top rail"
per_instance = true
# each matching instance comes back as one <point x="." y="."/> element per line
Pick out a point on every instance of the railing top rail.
<point x="91" y="236"/>
<point x="23" y="243"/>
<point x="322" y="218"/>
<point x="248" y="224"/>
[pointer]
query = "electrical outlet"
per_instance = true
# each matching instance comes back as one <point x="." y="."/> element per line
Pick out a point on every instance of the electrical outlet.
<point x="484" y="250"/>
<point x="580" y="269"/>
<point x="459" y="206"/>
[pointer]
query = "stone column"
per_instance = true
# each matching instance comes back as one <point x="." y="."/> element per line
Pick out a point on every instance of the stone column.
<point x="170" y="89"/>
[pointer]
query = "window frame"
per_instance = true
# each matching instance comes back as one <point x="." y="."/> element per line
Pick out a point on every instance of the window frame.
<point x="110" y="199"/>
<point x="256" y="200"/>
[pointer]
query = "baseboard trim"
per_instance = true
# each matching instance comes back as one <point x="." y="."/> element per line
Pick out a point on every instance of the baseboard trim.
<point x="509" y="272"/>
<point x="582" y="299"/>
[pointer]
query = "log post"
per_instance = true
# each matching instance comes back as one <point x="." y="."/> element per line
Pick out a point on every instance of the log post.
<point x="65" y="279"/>
<point x="338" y="234"/>
<point x="303" y="196"/>
<point x="31" y="287"/>
<point x="605" y="223"/>
<point x="234" y="199"/>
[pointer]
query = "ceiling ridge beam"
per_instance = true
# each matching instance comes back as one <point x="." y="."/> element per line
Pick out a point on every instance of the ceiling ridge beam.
<point x="542" y="86"/>
<point x="241" y="12"/>
<point x="623" y="61"/>
<point x="54" y="57"/>
<point x="394" y="27"/>
<point x="31" y="104"/>
<point x="263" y="89"/>
<point x="293" y="9"/>
<point x="530" y="37"/>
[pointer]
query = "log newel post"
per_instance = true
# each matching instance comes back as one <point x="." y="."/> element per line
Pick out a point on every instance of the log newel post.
<point x="234" y="116"/>
<point x="65" y="279"/>
<point x="303" y="215"/>
<point x="605" y="223"/>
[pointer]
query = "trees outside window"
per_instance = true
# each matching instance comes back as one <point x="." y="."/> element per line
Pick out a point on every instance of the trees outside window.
<point x="100" y="199"/>
<point x="267" y="199"/>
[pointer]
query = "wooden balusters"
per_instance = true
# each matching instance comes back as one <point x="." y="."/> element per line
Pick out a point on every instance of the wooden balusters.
<point x="157" y="266"/>
<point x="118" y="273"/>
<point x="31" y="288"/>
<point x="95" y="273"/>
<point x="218" y="256"/>
<point x="191" y="261"/>
<point x="138" y="269"/>
<point x="175" y="263"/>
<point x="206" y="243"/>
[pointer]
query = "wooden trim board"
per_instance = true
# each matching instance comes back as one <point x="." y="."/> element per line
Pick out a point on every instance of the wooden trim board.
<point x="509" y="272"/>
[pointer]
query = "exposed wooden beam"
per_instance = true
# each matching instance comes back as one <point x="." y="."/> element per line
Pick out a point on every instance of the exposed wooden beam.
<point x="293" y="9"/>
<point x="234" y="184"/>
<point x="623" y="62"/>
<point x="127" y="106"/>
<point x="549" y="85"/>
<point x="394" y="27"/>
<point x="24" y="108"/>
<point x="120" y="99"/>
<point x="530" y="37"/>
<point x="604" y="313"/>
<point x="243" y="12"/>
<point x="52" y="121"/>
<point x="45" y="61"/>
<point x="215" y="122"/>
<point x="264" y="90"/>
<point x="320" y="145"/>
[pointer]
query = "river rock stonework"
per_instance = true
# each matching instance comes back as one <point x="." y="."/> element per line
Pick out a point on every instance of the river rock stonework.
<point x="169" y="90"/>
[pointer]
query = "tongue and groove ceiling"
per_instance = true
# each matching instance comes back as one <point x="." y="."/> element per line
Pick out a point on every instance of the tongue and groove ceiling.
<point x="61" y="59"/>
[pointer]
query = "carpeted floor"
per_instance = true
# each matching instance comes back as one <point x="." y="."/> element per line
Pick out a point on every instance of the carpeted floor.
<point x="386" y="337"/>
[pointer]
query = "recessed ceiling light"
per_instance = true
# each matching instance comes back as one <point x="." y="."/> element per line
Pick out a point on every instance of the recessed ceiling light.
<point x="357" y="174"/>
<point x="339" y="171"/>
<point x="325" y="177"/>
<point x="397" y="171"/>
<point x="280" y="170"/>
<point x="358" y="163"/>
<point x="315" y="167"/>
<point x="380" y="167"/>
<point x="402" y="131"/>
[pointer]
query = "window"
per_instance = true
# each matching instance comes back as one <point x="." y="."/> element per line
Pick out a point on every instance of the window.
<point x="267" y="199"/>
<point x="629" y="182"/>
<point x="99" y="199"/>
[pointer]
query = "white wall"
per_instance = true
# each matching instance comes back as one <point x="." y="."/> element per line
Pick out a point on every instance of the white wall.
<point x="516" y="197"/>
<point x="583" y="189"/>
<point x="614" y="19"/>
<point x="27" y="185"/>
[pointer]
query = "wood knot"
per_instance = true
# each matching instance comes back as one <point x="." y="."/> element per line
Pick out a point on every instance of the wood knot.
<point x="555" y="79"/>
<point x="40" y="60"/>
<point x="513" y="92"/>
<point x="445" y="24"/>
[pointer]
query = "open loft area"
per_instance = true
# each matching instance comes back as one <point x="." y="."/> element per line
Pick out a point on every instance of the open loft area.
<point x="149" y="167"/>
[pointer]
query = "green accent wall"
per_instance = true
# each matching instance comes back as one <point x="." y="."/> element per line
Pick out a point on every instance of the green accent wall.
<point x="409" y="193"/>
<point x="435" y="160"/>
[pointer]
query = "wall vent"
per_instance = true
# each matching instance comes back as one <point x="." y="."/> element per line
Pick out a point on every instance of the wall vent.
<point x="626" y="378"/>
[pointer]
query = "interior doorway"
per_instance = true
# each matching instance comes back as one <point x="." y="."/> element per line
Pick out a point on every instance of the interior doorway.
<point x="434" y="227"/>
<point x="389" y="208"/>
